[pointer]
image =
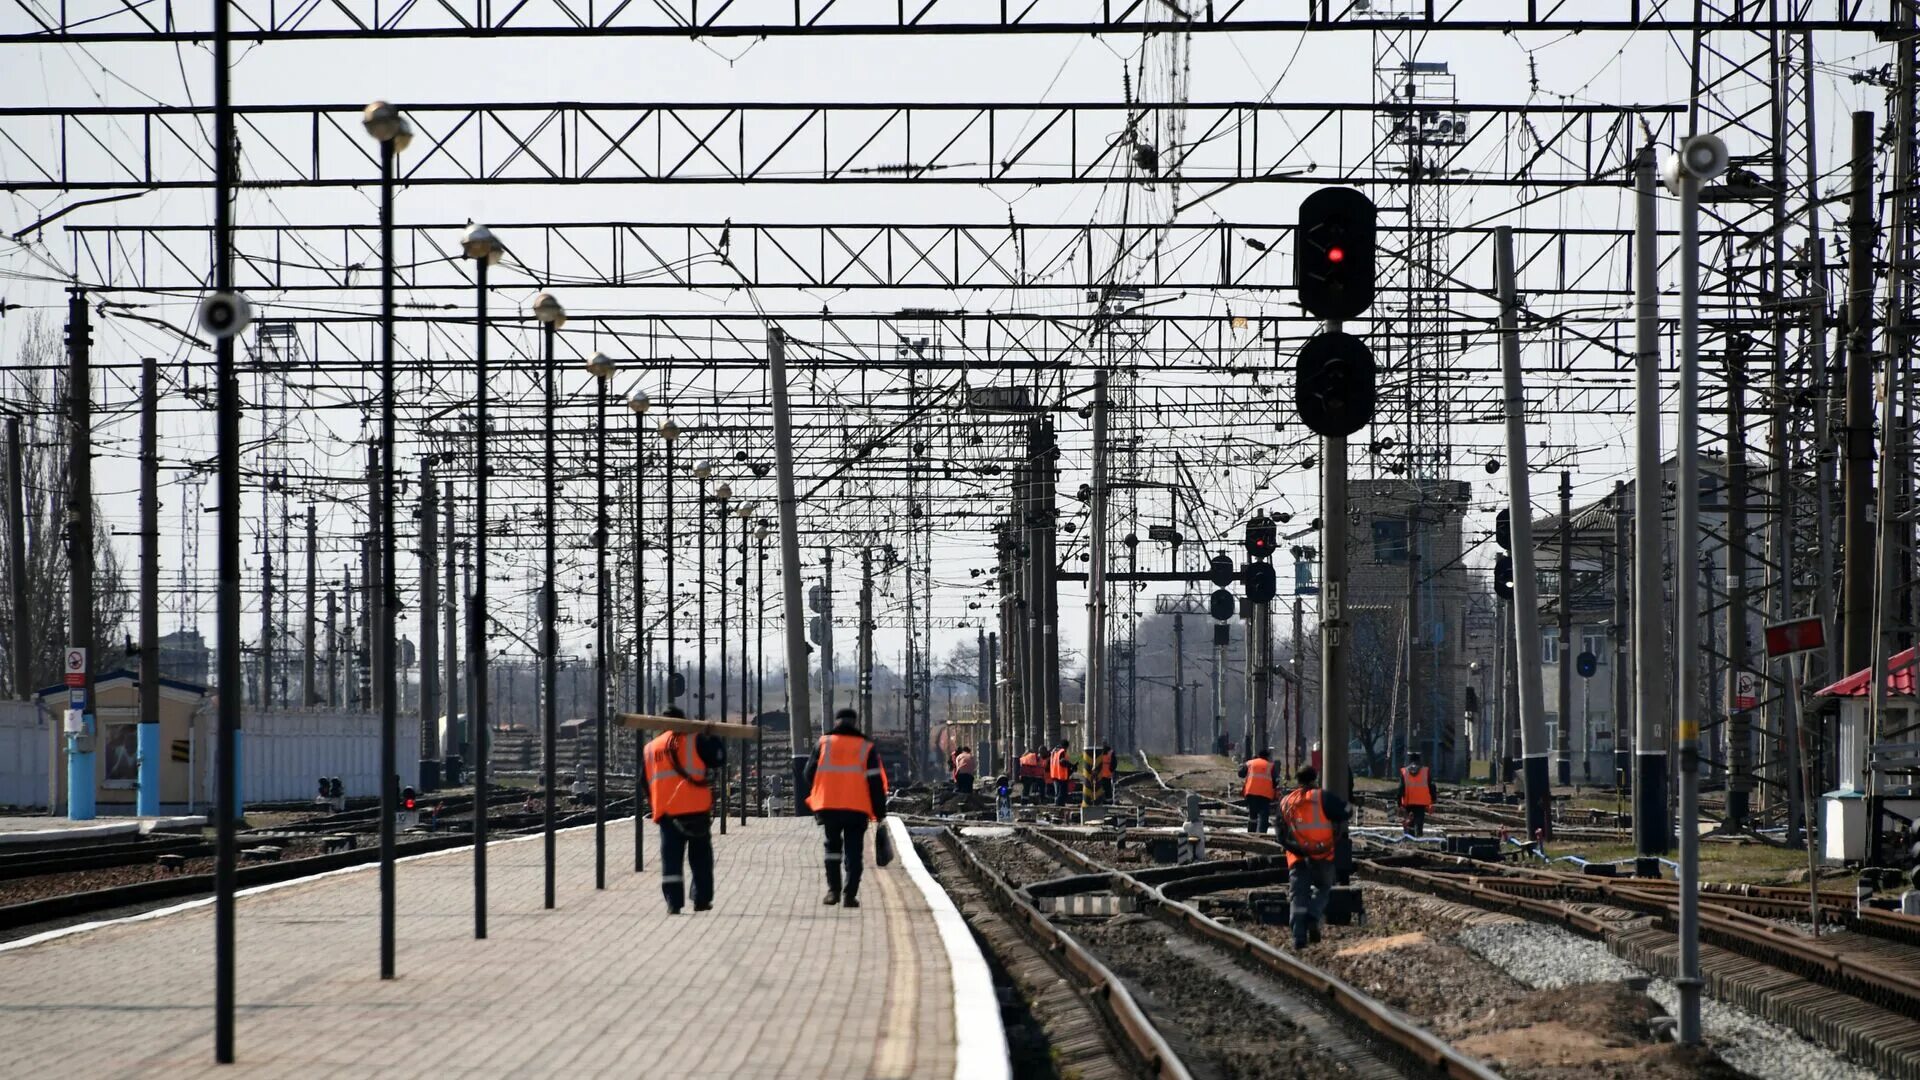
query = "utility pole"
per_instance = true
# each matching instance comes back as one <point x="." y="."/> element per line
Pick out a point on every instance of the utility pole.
<point x="148" y="736"/>
<point x="994" y="727"/>
<point x="1179" y="674"/>
<point x="1621" y="686"/>
<point x="17" y="564"/>
<point x="1334" y="626"/>
<point x="1413" y="626"/>
<point x="1652" y="833"/>
<point x="826" y="636"/>
<point x="866" y="637"/>
<point x="1526" y="583"/>
<point x="1049" y="579"/>
<point x="1299" y="751"/>
<point x="307" y="659"/>
<point x="1563" y="754"/>
<point x="429" y="623"/>
<point x="80" y="774"/>
<point x="1857" y="538"/>
<point x="450" y="694"/>
<point x="1098" y="720"/>
<point x="800" y="726"/>
<point x="333" y="649"/>
<point x="1739" y="716"/>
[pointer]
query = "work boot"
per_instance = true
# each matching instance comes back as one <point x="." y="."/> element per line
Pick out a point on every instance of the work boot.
<point x="850" y="901"/>
<point x="673" y="911"/>
<point x="833" y="898"/>
<point x="703" y="905"/>
<point x="1313" y="933"/>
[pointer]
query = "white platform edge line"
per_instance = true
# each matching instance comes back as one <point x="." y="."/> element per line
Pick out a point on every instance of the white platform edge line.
<point x="207" y="901"/>
<point x="980" y="1042"/>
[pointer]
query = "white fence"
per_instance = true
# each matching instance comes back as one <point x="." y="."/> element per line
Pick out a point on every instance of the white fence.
<point x="282" y="753"/>
<point x="23" y="754"/>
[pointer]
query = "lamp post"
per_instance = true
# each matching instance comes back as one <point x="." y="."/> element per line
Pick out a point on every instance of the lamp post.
<point x="721" y="493"/>
<point x="701" y="472"/>
<point x="385" y="124"/>
<point x="480" y="245"/>
<point x="639" y="403"/>
<point x="601" y="368"/>
<point x="745" y="511"/>
<point x="670" y="433"/>
<point x="552" y="317"/>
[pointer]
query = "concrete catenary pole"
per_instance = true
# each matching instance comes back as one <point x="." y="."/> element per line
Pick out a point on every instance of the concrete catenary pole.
<point x="1652" y="835"/>
<point x="1098" y="720"/>
<point x="800" y="725"/>
<point x="148" y="742"/>
<point x="1526" y="583"/>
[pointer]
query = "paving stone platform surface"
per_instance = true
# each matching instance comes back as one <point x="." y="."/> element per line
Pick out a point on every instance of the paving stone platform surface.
<point x="770" y="983"/>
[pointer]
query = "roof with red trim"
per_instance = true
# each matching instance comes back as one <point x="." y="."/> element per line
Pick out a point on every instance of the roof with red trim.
<point x="1860" y="683"/>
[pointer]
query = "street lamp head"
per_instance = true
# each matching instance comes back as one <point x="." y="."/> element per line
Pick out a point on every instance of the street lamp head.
<point x="601" y="366"/>
<point x="723" y="492"/>
<point x="546" y="308"/>
<point x="703" y="469"/>
<point x="669" y="430"/>
<point x="639" y="402"/>
<point x="381" y="120"/>
<point x="479" y="244"/>
<point x="745" y="511"/>
<point x="760" y="533"/>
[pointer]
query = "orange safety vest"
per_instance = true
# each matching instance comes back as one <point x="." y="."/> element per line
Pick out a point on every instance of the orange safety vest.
<point x="840" y="777"/>
<point x="676" y="777"/>
<point x="1259" y="778"/>
<point x="1106" y="766"/>
<point x="1060" y="769"/>
<point x="1306" y="817"/>
<point x="1419" y="791"/>
<point x="1030" y="764"/>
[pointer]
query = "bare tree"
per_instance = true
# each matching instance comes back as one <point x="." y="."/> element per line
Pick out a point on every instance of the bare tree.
<point x="1372" y="671"/>
<point x="36" y="393"/>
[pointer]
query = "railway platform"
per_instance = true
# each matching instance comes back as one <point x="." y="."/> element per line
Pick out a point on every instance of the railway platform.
<point x="770" y="983"/>
<point x="44" y="829"/>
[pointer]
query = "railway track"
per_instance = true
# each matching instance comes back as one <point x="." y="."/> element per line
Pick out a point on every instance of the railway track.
<point x="1854" y="993"/>
<point x="1349" y="1032"/>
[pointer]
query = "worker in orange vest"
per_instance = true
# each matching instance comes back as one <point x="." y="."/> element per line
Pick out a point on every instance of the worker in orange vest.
<point x="1103" y="768"/>
<point x="1308" y="817"/>
<point x="846" y="789"/>
<point x="1060" y="772"/>
<point x="679" y="788"/>
<point x="1258" y="790"/>
<point x="1031" y="773"/>
<point x="963" y="770"/>
<point x="1416" y="793"/>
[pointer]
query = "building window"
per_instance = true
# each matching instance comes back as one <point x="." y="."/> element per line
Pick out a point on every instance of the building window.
<point x="1595" y="642"/>
<point x="1390" y="540"/>
<point x="1550" y="647"/>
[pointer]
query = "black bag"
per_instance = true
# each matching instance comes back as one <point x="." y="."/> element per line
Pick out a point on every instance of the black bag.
<point x="882" y="844"/>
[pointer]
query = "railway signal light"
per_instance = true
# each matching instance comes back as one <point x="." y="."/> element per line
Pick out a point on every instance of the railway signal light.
<point x="1259" y="578"/>
<point x="1220" y="605"/>
<point x="1503" y="529"/>
<point x="1333" y="263"/>
<point x="1261" y="535"/>
<point x="408" y="799"/>
<point x="1220" y="571"/>
<point x="1334" y="391"/>
<point x="1503" y="577"/>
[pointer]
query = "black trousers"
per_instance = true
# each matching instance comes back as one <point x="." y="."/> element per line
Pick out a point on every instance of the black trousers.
<point x="686" y="839"/>
<point x="963" y="783"/>
<point x="1259" y="813"/>
<point x="1029" y="787"/>
<point x="1060" y="792"/>
<point x="846" y="841"/>
<point x="1418" y="820"/>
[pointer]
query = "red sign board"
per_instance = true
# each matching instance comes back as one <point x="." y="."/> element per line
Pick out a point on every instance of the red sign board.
<point x="1795" y="636"/>
<point x="76" y="667"/>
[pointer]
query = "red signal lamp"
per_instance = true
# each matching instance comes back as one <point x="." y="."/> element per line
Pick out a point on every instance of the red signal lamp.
<point x="1336" y="254"/>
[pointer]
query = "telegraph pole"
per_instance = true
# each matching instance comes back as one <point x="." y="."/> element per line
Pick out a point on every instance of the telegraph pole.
<point x="1621" y="687"/>
<point x="1857" y="538"/>
<point x="313" y="584"/>
<point x="1563" y="752"/>
<point x="1739" y="716"/>
<point x="1098" y="719"/>
<point x="429" y="619"/>
<point x="1652" y="833"/>
<point x="80" y="774"/>
<point x="1526" y="583"/>
<point x="1179" y="675"/>
<point x="148" y="742"/>
<point x="866" y="637"/>
<point x="1413" y="629"/>
<point x="800" y="725"/>
<point x="450" y="692"/>
<point x="17" y="564"/>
